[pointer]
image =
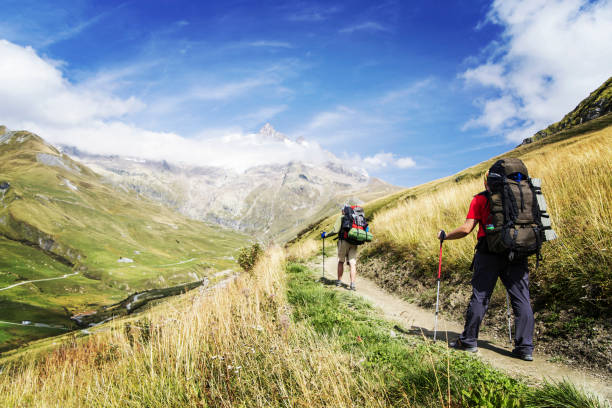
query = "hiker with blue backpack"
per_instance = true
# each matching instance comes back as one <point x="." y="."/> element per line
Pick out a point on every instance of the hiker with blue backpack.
<point x="352" y="229"/>
<point x="512" y="224"/>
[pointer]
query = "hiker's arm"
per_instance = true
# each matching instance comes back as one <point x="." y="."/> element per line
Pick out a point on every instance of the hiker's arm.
<point x="336" y="229"/>
<point x="461" y="231"/>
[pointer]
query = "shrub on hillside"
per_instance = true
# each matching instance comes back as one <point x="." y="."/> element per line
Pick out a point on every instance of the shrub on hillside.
<point x="248" y="257"/>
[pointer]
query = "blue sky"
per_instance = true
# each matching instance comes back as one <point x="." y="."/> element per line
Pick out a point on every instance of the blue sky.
<point x="412" y="91"/>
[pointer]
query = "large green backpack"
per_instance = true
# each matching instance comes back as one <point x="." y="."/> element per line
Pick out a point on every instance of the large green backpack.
<point x="518" y="222"/>
<point x="354" y="227"/>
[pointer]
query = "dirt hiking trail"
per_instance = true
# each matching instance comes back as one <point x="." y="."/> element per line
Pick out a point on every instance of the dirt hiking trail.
<point x="416" y="320"/>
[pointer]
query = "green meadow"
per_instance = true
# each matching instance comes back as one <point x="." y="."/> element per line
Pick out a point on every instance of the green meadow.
<point x="59" y="218"/>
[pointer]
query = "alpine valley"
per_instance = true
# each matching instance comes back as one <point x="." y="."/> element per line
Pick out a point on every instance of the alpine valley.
<point x="79" y="236"/>
<point x="70" y="242"/>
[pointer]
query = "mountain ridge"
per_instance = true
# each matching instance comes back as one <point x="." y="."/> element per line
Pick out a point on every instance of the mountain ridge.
<point x="271" y="200"/>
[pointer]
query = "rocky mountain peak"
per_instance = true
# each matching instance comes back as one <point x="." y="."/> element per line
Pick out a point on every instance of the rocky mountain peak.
<point x="268" y="132"/>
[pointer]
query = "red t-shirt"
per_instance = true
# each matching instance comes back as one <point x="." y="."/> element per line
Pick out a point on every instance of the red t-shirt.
<point x="479" y="210"/>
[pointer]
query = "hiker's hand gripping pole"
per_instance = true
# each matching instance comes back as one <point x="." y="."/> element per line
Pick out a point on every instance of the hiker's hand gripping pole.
<point x="441" y="236"/>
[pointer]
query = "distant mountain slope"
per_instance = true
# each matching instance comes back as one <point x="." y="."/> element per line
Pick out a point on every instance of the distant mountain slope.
<point x="58" y="217"/>
<point x="272" y="200"/>
<point x="594" y="106"/>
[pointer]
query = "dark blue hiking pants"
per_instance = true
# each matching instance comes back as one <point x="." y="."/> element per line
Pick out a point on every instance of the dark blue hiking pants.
<point x="515" y="277"/>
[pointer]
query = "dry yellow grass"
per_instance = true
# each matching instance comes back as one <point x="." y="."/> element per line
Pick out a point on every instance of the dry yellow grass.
<point x="303" y="249"/>
<point x="577" y="184"/>
<point x="577" y="180"/>
<point x="233" y="347"/>
<point x="412" y="225"/>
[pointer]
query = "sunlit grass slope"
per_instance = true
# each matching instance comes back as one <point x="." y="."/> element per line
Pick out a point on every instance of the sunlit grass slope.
<point x="57" y="218"/>
<point x="577" y="182"/>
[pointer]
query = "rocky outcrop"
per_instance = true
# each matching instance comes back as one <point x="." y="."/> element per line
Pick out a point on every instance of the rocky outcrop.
<point x="57" y="161"/>
<point x="268" y="132"/>
<point x="595" y="106"/>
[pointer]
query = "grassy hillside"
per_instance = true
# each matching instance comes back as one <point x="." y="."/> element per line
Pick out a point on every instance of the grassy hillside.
<point x="571" y="290"/>
<point x="273" y="338"/>
<point x="597" y="104"/>
<point x="58" y="218"/>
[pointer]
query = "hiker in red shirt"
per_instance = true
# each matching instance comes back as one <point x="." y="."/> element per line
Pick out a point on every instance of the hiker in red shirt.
<point x="487" y="267"/>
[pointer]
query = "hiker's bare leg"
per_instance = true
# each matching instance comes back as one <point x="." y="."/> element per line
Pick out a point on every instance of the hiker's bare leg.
<point x="353" y="265"/>
<point x="341" y="270"/>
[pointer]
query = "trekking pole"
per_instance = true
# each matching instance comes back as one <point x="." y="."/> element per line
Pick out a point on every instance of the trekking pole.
<point x="442" y="235"/>
<point x="323" y="257"/>
<point x="323" y="254"/>
<point x="508" y="314"/>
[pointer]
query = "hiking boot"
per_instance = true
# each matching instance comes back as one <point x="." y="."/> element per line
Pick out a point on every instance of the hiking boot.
<point x="338" y="283"/>
<point x="352" y="287"/>
<point x="458" y="345"/>
<point x="522" y="356"/>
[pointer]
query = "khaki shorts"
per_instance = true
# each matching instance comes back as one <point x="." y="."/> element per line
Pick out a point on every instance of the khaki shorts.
<point x="347" y="251"/>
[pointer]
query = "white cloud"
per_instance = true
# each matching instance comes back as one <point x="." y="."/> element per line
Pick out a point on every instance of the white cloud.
<point x="487" y="75"/>
<point x="34" y="95"/>
<point x="387" y="160"/>
<point x="33" y="89"/>
<point x="228" y="148"/>
<point x="367" y="26"/>
<point x="405" y="163"/>
<point x="498" y="114"/>
<point x="554" y="53"/>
